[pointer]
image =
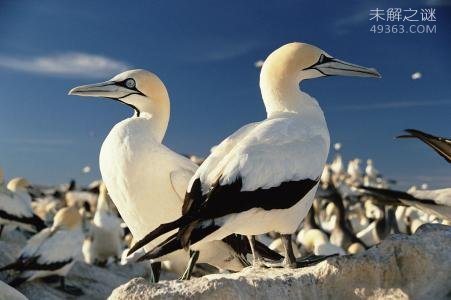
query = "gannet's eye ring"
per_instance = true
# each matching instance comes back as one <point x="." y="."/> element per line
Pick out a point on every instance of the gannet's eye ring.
<point x="130" y="83"/>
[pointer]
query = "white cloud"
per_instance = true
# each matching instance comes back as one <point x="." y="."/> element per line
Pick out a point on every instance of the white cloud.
<point x="416" y="75"/>
<point x="66" y="64"/>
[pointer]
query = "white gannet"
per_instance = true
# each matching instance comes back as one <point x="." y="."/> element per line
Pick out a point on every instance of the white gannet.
<point x="52" y="251"/>
<point x="104" y="239"/>
<point x="317" y="242"/>
<point x="354" y="171"/>
<point x="337" y="165"/>
<point x="440" y="145"/>
<point x="370" y="169"/>
<point x="145" y="179"/>
<point x="263" y="177"/>
<point x="15" y="206"/>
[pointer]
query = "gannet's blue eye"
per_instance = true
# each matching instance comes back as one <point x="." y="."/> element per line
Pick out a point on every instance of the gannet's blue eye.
<point x="130" y="83"/>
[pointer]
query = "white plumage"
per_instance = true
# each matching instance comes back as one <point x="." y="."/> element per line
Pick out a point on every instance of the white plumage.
<point x="105" y="233"/>
<point x="51" y="251"/>
<point x="15" y="206"/>
<point x="264" y="176"/>
<point x="147" y="180"/>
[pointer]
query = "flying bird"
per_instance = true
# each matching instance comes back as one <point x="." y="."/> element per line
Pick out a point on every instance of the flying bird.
<point x="145" y="179"/>
<point x="264" y="176"/>
<point x="440" y="145"/>
<point x="52" y="251"/>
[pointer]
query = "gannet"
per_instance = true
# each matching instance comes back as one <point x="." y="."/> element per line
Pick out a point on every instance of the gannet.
<point x="354" y="171"/>
<point x="317" y="242"/>
<point x="263" y="177"/>
<point x="52" y="251"/>
<point x="145" y="179"/>
<point x="435" y="202"/>
<point x="15" y="206"/>
<point x="104" y="239"/>
<point x="337" y="165"/>
<point x="440" y="145"/>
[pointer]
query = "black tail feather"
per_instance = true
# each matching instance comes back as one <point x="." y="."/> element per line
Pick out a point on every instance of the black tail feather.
<point x="38" y="223"/>
<point x="17" y="281"/>
<point x="160" y="230"/>
<point x="394" y="196"/>
<point x="267" y="253"/>
<point x="14" y="265"/>
<point x="173" y="243"/>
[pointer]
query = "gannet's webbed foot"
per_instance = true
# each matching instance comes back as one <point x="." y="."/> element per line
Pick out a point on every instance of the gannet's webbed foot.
<point x="155" y="272"/>
<point x="70" y="289"/>
<point x="312" y="260"/>
<point x="194" y="255"/>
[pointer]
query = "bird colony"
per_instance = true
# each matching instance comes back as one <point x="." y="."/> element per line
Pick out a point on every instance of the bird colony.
<point x="266" y="196"/>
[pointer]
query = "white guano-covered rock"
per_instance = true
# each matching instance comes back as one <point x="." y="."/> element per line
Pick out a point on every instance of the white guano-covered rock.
<point x="401" y="267"/>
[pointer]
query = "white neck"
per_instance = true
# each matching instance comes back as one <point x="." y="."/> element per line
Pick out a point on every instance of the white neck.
<point x="281" y="93"/>
<point x="158" y="112"/>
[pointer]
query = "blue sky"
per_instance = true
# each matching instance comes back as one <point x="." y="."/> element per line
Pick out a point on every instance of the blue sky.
<point x="205" y="52"/>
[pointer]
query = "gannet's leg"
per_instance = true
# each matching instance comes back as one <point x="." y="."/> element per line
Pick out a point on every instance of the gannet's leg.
<point x="72" y="290"/>
<point x="194" y="255"/>
<point x="257" y="261"/>
<point x="155" y="271"/>
<point x="290" y="259"/>
<point x="1" y="229"/>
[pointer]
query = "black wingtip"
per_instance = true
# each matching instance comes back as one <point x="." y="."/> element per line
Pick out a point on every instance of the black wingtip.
<point x="17" y="281"/>
<point x="170" y="245"/>
<point x="160" y="230"/>
<point x="266" y="252"/>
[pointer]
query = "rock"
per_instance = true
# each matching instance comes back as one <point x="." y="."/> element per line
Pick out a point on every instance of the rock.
<point x="414" y="267"/>
<point x="96" y="282"/>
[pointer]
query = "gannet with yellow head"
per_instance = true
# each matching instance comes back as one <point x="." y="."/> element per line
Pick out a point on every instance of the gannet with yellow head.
<point x="52" y="251"/>
<point x="263" y="177"/>
<point x="145" y="179"/>
<point x="105" y="232"/>
<point x="15" y="205"/>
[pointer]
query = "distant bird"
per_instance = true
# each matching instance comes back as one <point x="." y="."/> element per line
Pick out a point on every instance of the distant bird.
<point x="15" y="206"/>
<point x="354" y="171"/>
<point x="52" y="251"/>
<point x="263" y="177"/>
<point x="337" y="165"/>
<point x="440" y="145"/>
<point x="370" y="169"/>
<point x="145" y="179"/>
<point x="436" y="202"/>
<point x="104" y="239"/>
<point x="315" y="241"/>
<point x="341" y="235"/>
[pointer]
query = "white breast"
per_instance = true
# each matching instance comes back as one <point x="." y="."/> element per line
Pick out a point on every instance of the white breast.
<point x="129" y="159"/>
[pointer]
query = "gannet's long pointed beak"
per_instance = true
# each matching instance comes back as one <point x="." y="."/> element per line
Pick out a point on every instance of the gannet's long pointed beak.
<point x="107" y="89"/>
<point x="334" y="67"/>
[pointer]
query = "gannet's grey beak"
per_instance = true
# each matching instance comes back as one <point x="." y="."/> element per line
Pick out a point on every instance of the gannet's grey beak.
<point x="107" y="89"/>
<point x="335" y="67"/>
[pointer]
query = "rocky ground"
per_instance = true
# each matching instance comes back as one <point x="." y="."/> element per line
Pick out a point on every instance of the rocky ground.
<point x="414" y="267"/>
<point x="401" y="267"/>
